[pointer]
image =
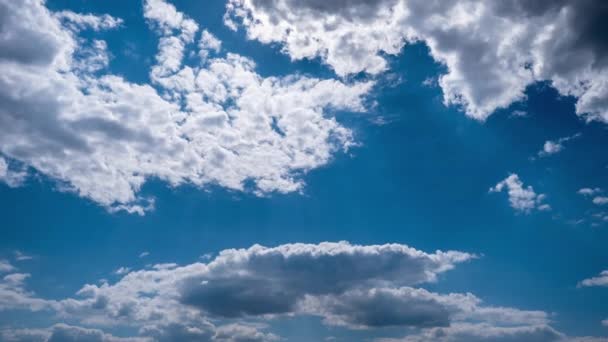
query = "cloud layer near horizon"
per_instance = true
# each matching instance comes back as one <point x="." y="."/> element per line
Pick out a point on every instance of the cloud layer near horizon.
<point x="350" y="286"/>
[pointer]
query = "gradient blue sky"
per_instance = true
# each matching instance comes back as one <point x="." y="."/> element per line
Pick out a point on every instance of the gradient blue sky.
<point x="419" y="175"/>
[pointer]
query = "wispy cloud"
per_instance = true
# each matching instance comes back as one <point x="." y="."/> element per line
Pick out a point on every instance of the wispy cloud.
<point x="555" y="146"/>
<point x="20" y="256"/>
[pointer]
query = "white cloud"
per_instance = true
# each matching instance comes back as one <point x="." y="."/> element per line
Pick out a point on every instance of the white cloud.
<point x="518" y="114"/>
<point x="521" y="198"/>
<point x="589" y="191"/>
<point x="553" y="147"/>
<point x="122" y="270"/>
<point x="13" y="295"/>
<point x="482" y="332"/>
<point x="102" y="137"/>
<point x="600" y="200"/>
<point x="6" y="266"/>
<point x="144" y="254"/>
<point x="600" y="280"/>
<point x="207" y="44"/>
<point x="9" y="176"/>
<point x="62" y="333"/>
<point x="492" y="50"/>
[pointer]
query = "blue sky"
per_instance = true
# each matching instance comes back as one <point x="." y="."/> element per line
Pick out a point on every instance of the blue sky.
<point x="114" y="164"/>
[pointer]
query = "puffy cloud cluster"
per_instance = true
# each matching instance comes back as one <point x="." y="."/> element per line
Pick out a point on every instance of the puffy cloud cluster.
<point x="492" y="50"/>
<point x="521" y="198"/>
<point x="227" y="298"/>
<point x="101" y="136"/>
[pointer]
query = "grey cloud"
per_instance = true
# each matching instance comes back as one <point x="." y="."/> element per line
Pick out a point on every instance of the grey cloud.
<point x="239" y="297"/>
<point x="485" y="333"/>
<point x="272" y="280"/>
<point x="228" y="298"/>
<point x="405" y="307"/>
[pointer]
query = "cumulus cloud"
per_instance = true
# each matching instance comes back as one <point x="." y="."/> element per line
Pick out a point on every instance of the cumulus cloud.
<point x="227" y="298"/>
<point x="6" y="266"/>
<point x="492" y="50"/>
<point x="208" y="44"/>
<point x="98" y="135"/>
<point x="122" y="270"/>
<point x="555" y="146"/>
<point x="411" y="307"/>
<point x="485" y="333"/>
<point x="600" y="280"/>
<point x="521" y="198"/>
<point x="600" y="200"/>
<point x="589" y="191"/>
<point x="13" y="294"/>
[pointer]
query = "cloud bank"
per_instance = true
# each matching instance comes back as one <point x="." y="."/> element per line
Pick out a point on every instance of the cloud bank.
<point x="492" y="50"/>
<point x="237" y="295"/>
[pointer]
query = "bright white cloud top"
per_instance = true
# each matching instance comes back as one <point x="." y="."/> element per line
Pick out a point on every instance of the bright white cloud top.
<point x="213" y="123"/>
<point x="492" y="50"/>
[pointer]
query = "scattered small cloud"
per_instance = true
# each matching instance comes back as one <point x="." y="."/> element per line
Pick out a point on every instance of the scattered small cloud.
<point x="521" y="198"/>
<point x="600" y="280"/>
<point x="122" y="270"/>
<point x="379" y="121"/>
<point x="144" y="254"/>
<point x="555" y="146"/>
<point x="6" y="266"/>
<point x="206" y="256"/>
<point x="518" y="114"/>
<point x="600" y="200"/>
<point x="589" y="191"/>
<point x="544" y="207"/>
<point x="430" y="82"/>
